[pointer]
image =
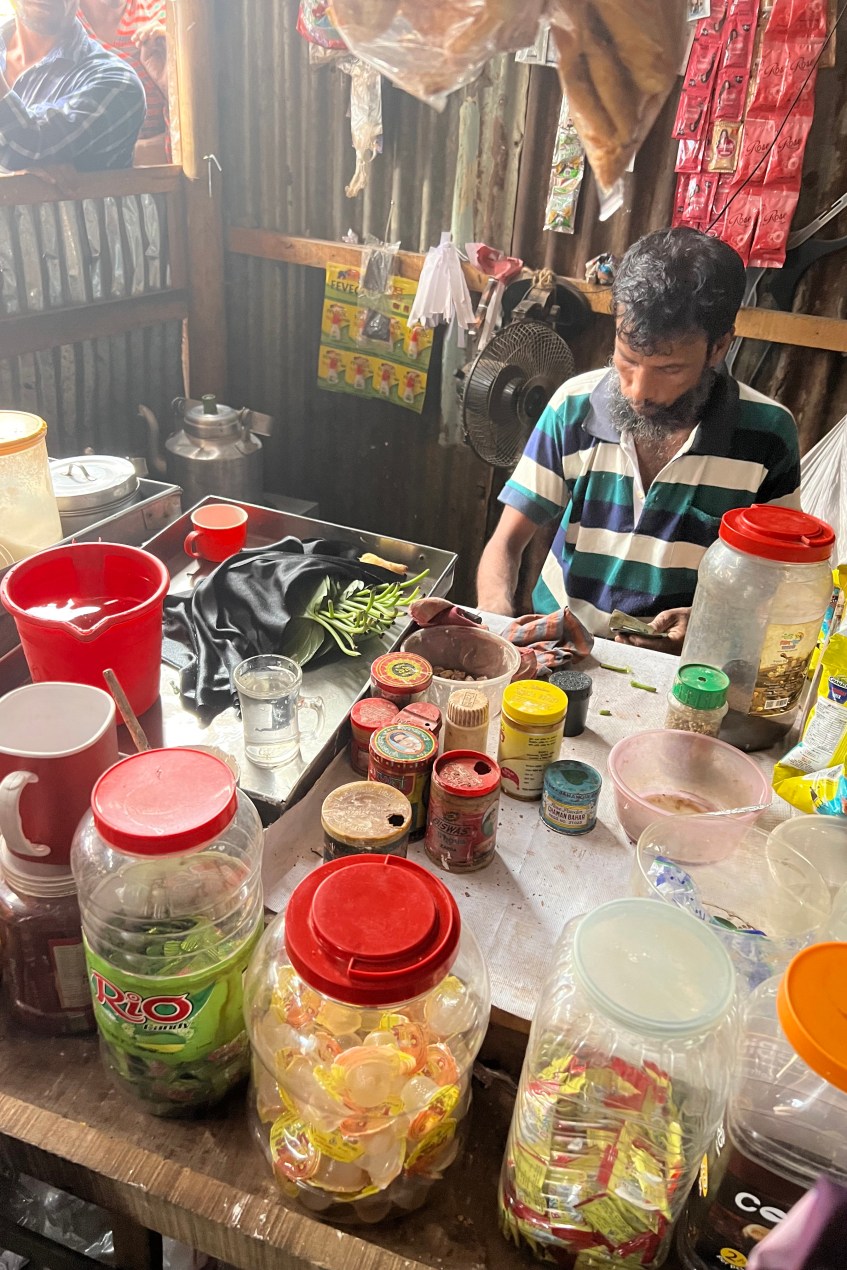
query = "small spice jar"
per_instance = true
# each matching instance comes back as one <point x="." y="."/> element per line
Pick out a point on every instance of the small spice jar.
<point x="697" y="701"/>
<point x="467" y="721"/>
<point x="464" y="799"/>
<point x="570" y="796"/>
<point x="400" y="677"/>
<point x="402" y="756"/>
<point x="365" y="818"/>
<point x="577" y="687"/>
<point x="422" y="714"/>
<point x="532" y="725"/>
<point x="367" y="717"/>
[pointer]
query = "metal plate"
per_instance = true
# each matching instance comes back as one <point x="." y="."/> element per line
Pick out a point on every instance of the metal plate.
<point x="339" y="683"/>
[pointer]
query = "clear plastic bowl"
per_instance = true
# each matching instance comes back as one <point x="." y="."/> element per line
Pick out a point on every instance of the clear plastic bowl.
<point x="757" y="892"/>
<point x="666" y="773"/>
<point x="823" y="841"/>
<point x="478" y="653"/>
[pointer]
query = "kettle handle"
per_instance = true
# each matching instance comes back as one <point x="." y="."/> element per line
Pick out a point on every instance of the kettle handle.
<point x="11" y="788"/>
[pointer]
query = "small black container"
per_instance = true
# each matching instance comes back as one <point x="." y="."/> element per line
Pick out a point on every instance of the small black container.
<point x="578" y="687"/>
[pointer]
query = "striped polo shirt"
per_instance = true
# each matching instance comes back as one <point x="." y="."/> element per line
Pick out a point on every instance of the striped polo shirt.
<point x="618" y="547"/>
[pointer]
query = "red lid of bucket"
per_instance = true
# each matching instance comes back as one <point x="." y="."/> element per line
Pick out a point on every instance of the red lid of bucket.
<point x="778" y="533"/>
<point x="163" y="801"/>
<point x="372" y="930"/>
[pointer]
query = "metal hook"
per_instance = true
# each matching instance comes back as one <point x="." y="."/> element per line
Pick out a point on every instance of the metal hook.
<point x="210" y="159"/>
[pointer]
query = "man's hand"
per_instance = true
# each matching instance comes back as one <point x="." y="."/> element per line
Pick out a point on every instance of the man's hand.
<point x="497" y="576"/>
<point x="152" y="47"/>
<point x="673" y="623"/>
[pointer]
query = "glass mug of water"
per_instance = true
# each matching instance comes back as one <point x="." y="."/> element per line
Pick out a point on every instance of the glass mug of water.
<point x="269" y="691"/>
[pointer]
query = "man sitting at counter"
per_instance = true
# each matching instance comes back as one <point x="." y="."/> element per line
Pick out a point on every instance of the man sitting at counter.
<point x="640" y="460"/>
<point x="63" y="98"/>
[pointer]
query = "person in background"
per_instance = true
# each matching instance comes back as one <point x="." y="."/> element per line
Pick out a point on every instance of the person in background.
<point x="63" y="99"/>
<point x="135" y="31"/>
<point x="639" y="461"/>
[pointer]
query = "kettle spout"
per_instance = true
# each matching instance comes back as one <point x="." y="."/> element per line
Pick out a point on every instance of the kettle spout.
<point x="155" y="454"/>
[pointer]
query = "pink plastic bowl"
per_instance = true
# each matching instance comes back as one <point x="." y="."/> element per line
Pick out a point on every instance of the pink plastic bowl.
<point x="667" y="773"/>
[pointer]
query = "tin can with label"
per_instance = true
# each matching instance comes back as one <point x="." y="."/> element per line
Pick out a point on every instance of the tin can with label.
<point x="571" y="793"/>
<point x="464" y="800"/>
<point x="400" y="677"/>
<point x="402" y="756"/>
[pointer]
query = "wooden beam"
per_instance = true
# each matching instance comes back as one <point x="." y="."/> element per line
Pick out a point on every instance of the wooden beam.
<point x="267" y="244"/>
<point x="55" y="185"/>
<point x="805" y="330"/>
<point x="23" y="333"/>
<point x="199" y="139"/>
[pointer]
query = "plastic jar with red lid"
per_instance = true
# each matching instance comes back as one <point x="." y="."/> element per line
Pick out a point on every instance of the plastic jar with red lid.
<point x="762" y="591"/>
<point x="368" y="716"/>
<point x="401" y="678"/>
<point x="464" y="801"/>
<point x="366" y="1003"/>
<point x="167" y="865"/>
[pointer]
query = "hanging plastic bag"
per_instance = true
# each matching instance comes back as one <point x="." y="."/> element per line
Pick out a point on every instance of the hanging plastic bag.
<point x="431" y="47"/>
<point x="376" y="291"/>
<point x="822" y="487"/>
<point x="442" y="294"/>
<point x="365" y="119"/>
<point x="618" y="61"/>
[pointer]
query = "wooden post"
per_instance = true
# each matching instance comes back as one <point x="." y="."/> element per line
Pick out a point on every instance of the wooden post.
<point x="199" y="139"/>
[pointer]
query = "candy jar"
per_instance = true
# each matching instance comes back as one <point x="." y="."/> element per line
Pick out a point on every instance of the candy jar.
<point x="366" y="1003"/>
<point x="167" y="865"/>
<point x="623" y="1086"/>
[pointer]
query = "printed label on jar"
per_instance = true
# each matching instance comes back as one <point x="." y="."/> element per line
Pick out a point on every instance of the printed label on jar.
<point x="524" y="758"/>
<point x="69" y="973"/>
<point x="460" y="840"/>
<point x="783" y="663"/>
<point x="740" y="1203"/>
<point x="568" y="817"/>
<point x="176" y="1020"/>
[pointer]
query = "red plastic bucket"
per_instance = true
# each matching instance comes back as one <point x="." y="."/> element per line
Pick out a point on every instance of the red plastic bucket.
<point x="83" y="608"/>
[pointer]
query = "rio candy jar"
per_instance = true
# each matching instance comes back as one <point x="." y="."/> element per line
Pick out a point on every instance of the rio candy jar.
<point x="403" y="756"/>
<point x="366" y="1003"/>
<point x="167" y="865"/>
<point x="623" y="1087"/>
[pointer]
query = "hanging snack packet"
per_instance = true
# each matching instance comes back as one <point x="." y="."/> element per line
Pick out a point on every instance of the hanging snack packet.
<point x="812" y="774"/>
<point x="618" y="63"/>
<point x="566" y="176"/>
<point x="776" y="212"/>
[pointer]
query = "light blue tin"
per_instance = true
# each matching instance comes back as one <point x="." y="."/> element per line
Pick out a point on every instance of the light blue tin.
<point x="570" y="796"/>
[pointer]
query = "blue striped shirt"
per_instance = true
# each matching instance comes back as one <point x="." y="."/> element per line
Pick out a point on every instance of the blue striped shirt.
<point x="610" y="550"/>
<point x="78" y="105"/>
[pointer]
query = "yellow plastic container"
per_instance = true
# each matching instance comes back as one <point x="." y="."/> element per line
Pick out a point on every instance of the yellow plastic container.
<point x="532" y="725"/>
<point x="29" y="514"/>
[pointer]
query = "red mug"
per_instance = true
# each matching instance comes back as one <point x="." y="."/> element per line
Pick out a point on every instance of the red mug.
<point x="220" y="531"/>
<point x="56" y="739"/>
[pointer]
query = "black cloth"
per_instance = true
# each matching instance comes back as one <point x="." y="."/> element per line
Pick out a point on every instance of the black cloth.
<point x="244" y="607"/>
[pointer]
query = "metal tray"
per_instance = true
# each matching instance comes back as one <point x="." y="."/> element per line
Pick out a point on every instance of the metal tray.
<point x="339" y="683"/>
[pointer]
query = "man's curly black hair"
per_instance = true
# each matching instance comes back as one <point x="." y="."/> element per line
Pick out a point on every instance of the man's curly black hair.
<point x="677" y="283"/>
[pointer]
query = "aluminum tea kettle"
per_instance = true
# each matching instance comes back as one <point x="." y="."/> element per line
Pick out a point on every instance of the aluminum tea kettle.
<point x="215" y="450"/>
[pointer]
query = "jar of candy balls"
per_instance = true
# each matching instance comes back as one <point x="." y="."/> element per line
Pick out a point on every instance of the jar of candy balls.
<point x="623" y="1087"/>
<point x="366" y="1003"/>
<point x="167" y="864"/>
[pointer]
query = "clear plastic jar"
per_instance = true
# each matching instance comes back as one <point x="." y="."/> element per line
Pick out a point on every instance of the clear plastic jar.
<point x="167" y="864"/>
<point x="623" y="1086"/>
<point x="762" y="591"/>
<point x="786" y="1122"/>
<point x="29" y="514"/>
<point x="366" y="1003"/>
<point x="697" y="701"/>
<point x="45" y="985"/>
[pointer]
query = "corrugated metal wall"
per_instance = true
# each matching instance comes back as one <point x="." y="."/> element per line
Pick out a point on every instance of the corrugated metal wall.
<point x="286" y="157"/>
<point x="57" y="254"/>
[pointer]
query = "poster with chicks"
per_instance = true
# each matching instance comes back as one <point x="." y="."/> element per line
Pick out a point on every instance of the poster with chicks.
<point x="391" y="369"/>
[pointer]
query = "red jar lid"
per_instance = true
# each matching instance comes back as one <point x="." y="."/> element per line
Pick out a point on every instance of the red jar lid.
<point x="373" y="713"/>
<point x="467" y="774"/>
<point x="372" y="930"/>
<point x="421" y="714"/>
<point x="401" y="673"/>
<point x="164" y="801"/>
<point x="778" y="533"/>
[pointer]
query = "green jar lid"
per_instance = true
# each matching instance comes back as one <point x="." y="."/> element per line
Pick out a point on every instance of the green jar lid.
<point x="701" y="687"/>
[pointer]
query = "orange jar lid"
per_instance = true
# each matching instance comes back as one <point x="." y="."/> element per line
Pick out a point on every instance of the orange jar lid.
<point x="19" y="431"/>
<point x="812" y="1008"/>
